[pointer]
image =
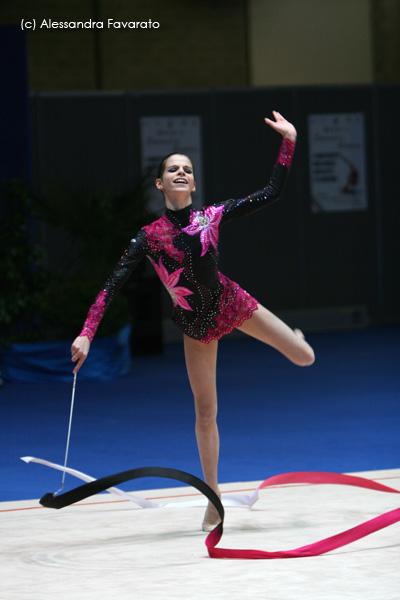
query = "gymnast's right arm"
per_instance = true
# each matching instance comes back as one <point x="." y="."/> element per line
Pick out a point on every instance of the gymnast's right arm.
<point x="136" y="250"/>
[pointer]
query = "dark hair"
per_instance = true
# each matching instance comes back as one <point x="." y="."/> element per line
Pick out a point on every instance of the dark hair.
<point x="161" y="166"/>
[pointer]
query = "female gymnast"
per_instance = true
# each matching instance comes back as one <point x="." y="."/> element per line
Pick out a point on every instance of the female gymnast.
<point x="183" y="248"/>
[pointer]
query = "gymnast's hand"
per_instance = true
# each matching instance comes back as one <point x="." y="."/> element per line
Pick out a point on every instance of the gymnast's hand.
<point x="79" y="351"/>
<point x="286" y="129"/>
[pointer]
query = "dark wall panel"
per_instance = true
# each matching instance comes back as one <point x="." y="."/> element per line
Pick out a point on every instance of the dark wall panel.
<point x="387" y="102"/>
<point x="15" y="152"/>
<point x="81" y="140"/>
<point x="341" y="253"/>
<point x="260" y="251"/>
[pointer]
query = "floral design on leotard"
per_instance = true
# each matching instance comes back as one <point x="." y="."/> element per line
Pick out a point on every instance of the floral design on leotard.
<point x="170" y="281"/>
<point x="206" y="223"/>
<point x="161" y="234"/>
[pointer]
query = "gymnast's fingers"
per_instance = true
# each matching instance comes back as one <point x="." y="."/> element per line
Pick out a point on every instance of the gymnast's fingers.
<point x="81" y="359"/>
<point x="79" y="351"/>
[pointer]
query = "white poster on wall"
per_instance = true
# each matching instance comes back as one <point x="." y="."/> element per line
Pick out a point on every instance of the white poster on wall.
<point x="162" y="135"/>
<point x="337" y="162"/>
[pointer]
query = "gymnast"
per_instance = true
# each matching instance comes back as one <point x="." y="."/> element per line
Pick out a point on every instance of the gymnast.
<point x="183" y="248"/>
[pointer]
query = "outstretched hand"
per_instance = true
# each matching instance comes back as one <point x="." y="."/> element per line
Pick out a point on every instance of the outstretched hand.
<point x="79" y="351"/>
<point x="282" y="126"/>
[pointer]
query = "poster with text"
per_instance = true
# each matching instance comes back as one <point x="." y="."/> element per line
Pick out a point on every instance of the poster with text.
<point x="337" y="162"/>
<point x="161" y="136"/>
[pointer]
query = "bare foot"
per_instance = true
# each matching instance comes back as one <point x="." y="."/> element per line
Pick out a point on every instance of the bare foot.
<point x="299" y="333"/>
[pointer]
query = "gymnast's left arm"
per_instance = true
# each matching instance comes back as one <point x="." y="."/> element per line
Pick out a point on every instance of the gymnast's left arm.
<point x="277" y="182"/>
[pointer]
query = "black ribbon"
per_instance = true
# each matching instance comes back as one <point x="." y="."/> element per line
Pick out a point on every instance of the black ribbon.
<point x="100" y="485"/>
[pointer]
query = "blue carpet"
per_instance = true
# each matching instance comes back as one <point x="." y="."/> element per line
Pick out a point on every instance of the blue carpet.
<point x="341" y="414"/>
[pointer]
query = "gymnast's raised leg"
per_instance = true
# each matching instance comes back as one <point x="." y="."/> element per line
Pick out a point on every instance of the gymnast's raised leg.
<point x="268" y="328"/>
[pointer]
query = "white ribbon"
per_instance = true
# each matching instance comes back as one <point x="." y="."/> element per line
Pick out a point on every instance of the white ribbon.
<point x="228" y="500"/>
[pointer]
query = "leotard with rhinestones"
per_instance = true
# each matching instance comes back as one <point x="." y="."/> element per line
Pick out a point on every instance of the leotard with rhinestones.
<point x="183" y="248"/>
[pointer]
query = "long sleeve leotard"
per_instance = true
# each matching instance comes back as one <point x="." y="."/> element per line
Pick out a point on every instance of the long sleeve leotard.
<point x="183" y="248"/>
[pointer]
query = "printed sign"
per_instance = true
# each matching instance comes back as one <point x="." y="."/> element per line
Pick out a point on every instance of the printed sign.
<point x="337" y="162"/>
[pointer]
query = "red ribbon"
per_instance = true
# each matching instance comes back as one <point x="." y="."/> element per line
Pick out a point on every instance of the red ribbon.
<point x="325" y="545"/>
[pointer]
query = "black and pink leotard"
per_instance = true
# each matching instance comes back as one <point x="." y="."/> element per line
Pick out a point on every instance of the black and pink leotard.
<point x="183" y="248"/>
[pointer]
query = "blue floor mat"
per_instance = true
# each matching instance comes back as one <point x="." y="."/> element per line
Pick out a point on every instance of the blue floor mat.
<point x="341" y="414"/>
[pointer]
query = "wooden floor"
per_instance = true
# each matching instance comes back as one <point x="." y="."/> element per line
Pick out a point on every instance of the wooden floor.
<point x="110" y="548"/>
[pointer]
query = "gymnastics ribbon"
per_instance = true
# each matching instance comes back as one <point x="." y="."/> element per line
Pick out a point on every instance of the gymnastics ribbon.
<point x="234" y="500"/>
<point x="143" y="502"/>
<point x="331" y="543"/>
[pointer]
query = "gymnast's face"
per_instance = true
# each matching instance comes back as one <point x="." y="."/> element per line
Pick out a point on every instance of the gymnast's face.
<point x="177" y="181"/>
